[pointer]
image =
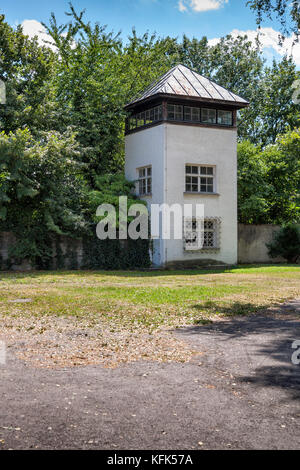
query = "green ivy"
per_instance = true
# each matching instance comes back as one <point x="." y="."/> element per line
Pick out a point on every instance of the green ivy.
<point x="115" y="254"/>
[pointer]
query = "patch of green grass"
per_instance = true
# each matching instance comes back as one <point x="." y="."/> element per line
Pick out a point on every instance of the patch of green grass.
<point x="161" y="295"/>
<point x="149" y="298"/>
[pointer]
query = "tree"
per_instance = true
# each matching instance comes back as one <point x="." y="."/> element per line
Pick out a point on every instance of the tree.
<point x="288" y="13"/>
<point x="109" y="188"/>
<point x="269" y="181"/>
<point x="41" y="192"/>
<point x="26" y="68"/>
<point x="96" y="77"/>
<point x="286" y="243"/>
<point x="196" y="54"/>
<point x="239" y="67"/>
<point x="253" y="190"/>
<point x="275" y="111"/>
<point x="283" y="173"/>
<point x="87" y="89"/>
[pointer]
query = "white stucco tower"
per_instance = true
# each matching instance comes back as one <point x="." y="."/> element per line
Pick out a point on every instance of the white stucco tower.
<point x="181" y="147"/>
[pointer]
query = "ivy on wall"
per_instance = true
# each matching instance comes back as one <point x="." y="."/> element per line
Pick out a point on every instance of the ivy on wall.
<point x="115" y="254"/>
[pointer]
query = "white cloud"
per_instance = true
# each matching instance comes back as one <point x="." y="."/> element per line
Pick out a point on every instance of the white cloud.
<point x="181" y="6"/>
<point x="34" y="28"/>
<point x="200" y="5"/>
<point x="269" y="40"/>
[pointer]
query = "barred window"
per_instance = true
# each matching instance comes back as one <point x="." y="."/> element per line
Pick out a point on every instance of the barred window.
<point x="209" y="234"/>
<point x="199" y="179"/>
<point x="145" y="180"/>
<point x="201" y="234"/>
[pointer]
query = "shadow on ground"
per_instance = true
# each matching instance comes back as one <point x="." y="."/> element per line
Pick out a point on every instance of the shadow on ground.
<point x="260" y="347"/>
<point x="230" y="310"/>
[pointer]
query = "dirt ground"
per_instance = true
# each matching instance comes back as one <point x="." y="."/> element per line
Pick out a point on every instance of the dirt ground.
<point x="241" y="391"/>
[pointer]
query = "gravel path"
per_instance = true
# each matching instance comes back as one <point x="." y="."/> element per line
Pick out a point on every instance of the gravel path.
<point x="241" y="392"/>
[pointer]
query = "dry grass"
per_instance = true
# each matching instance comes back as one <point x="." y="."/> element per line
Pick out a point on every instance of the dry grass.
<point x="78" y="318"/>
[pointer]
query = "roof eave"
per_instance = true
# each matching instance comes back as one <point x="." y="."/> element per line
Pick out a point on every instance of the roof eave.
<point x="235" y="104"/>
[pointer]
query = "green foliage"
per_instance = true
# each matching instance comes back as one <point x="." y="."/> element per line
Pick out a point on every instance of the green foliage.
<point x="269" y="181"/>
<point x="252" y="188"/>
<point x="275" y="112"/>
<point x="288" y="13"/>
<point x="283" y="174"/>
<point x="115" y="254"/>
<point x="96" y="77"/>
<point x="62" y="130"/>
<point x="41" y="191"/>
<point x="235" y="64"/>
<point x="109" y="188"/>
<point x="27" y="70"/>
<point x="286" y="243"/>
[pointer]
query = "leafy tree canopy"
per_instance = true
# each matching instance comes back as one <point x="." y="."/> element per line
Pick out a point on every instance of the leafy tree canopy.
<point x="286" y="243"/>
<point x="41" y="191"/>
<point x="62" y="129"/>
<point x="287" y="12"/>
<point x="269" y="181"/>
<point x="27" y="69"/>
<point x="109" y="188"/>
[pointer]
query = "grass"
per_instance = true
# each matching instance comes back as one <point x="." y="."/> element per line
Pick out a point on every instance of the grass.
<point x="117" y="309"/>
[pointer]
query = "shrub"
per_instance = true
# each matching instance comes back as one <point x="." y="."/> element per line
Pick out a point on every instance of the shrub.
<point x="286" y="243"/>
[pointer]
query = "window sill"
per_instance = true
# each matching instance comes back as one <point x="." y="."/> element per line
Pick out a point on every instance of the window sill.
<point x="200" y="194"/>
<point x="145" y="195"/>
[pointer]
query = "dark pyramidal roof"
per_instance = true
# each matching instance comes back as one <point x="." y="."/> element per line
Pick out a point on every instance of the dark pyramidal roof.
<point x="184" y="82"/>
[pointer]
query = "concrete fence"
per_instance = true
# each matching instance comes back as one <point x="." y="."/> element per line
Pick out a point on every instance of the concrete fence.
<point x="251" y="249"/>
<point x="252" y="243"/>
<point x="68" y="252"/>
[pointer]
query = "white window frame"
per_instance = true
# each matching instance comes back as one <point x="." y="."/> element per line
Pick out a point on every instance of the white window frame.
<point x="144" y="180"/>
<point x="197" y="234"/>
<point x="196" y="178"/>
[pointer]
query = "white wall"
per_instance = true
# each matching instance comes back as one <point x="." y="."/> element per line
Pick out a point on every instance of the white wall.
<point x="203" y="145"/>
<point x="168" y="148"/>
<point x="143" y="148"/>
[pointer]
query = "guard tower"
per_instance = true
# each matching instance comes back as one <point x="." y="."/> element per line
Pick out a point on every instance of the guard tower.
<point x="181" y="147"/>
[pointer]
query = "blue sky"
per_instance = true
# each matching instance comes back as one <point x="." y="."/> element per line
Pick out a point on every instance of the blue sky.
<point x="162" y="16"/>
<point x="213" y="18"/>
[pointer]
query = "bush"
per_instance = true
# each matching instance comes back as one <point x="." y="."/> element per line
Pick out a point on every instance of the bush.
<point x="286" y="243"/>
